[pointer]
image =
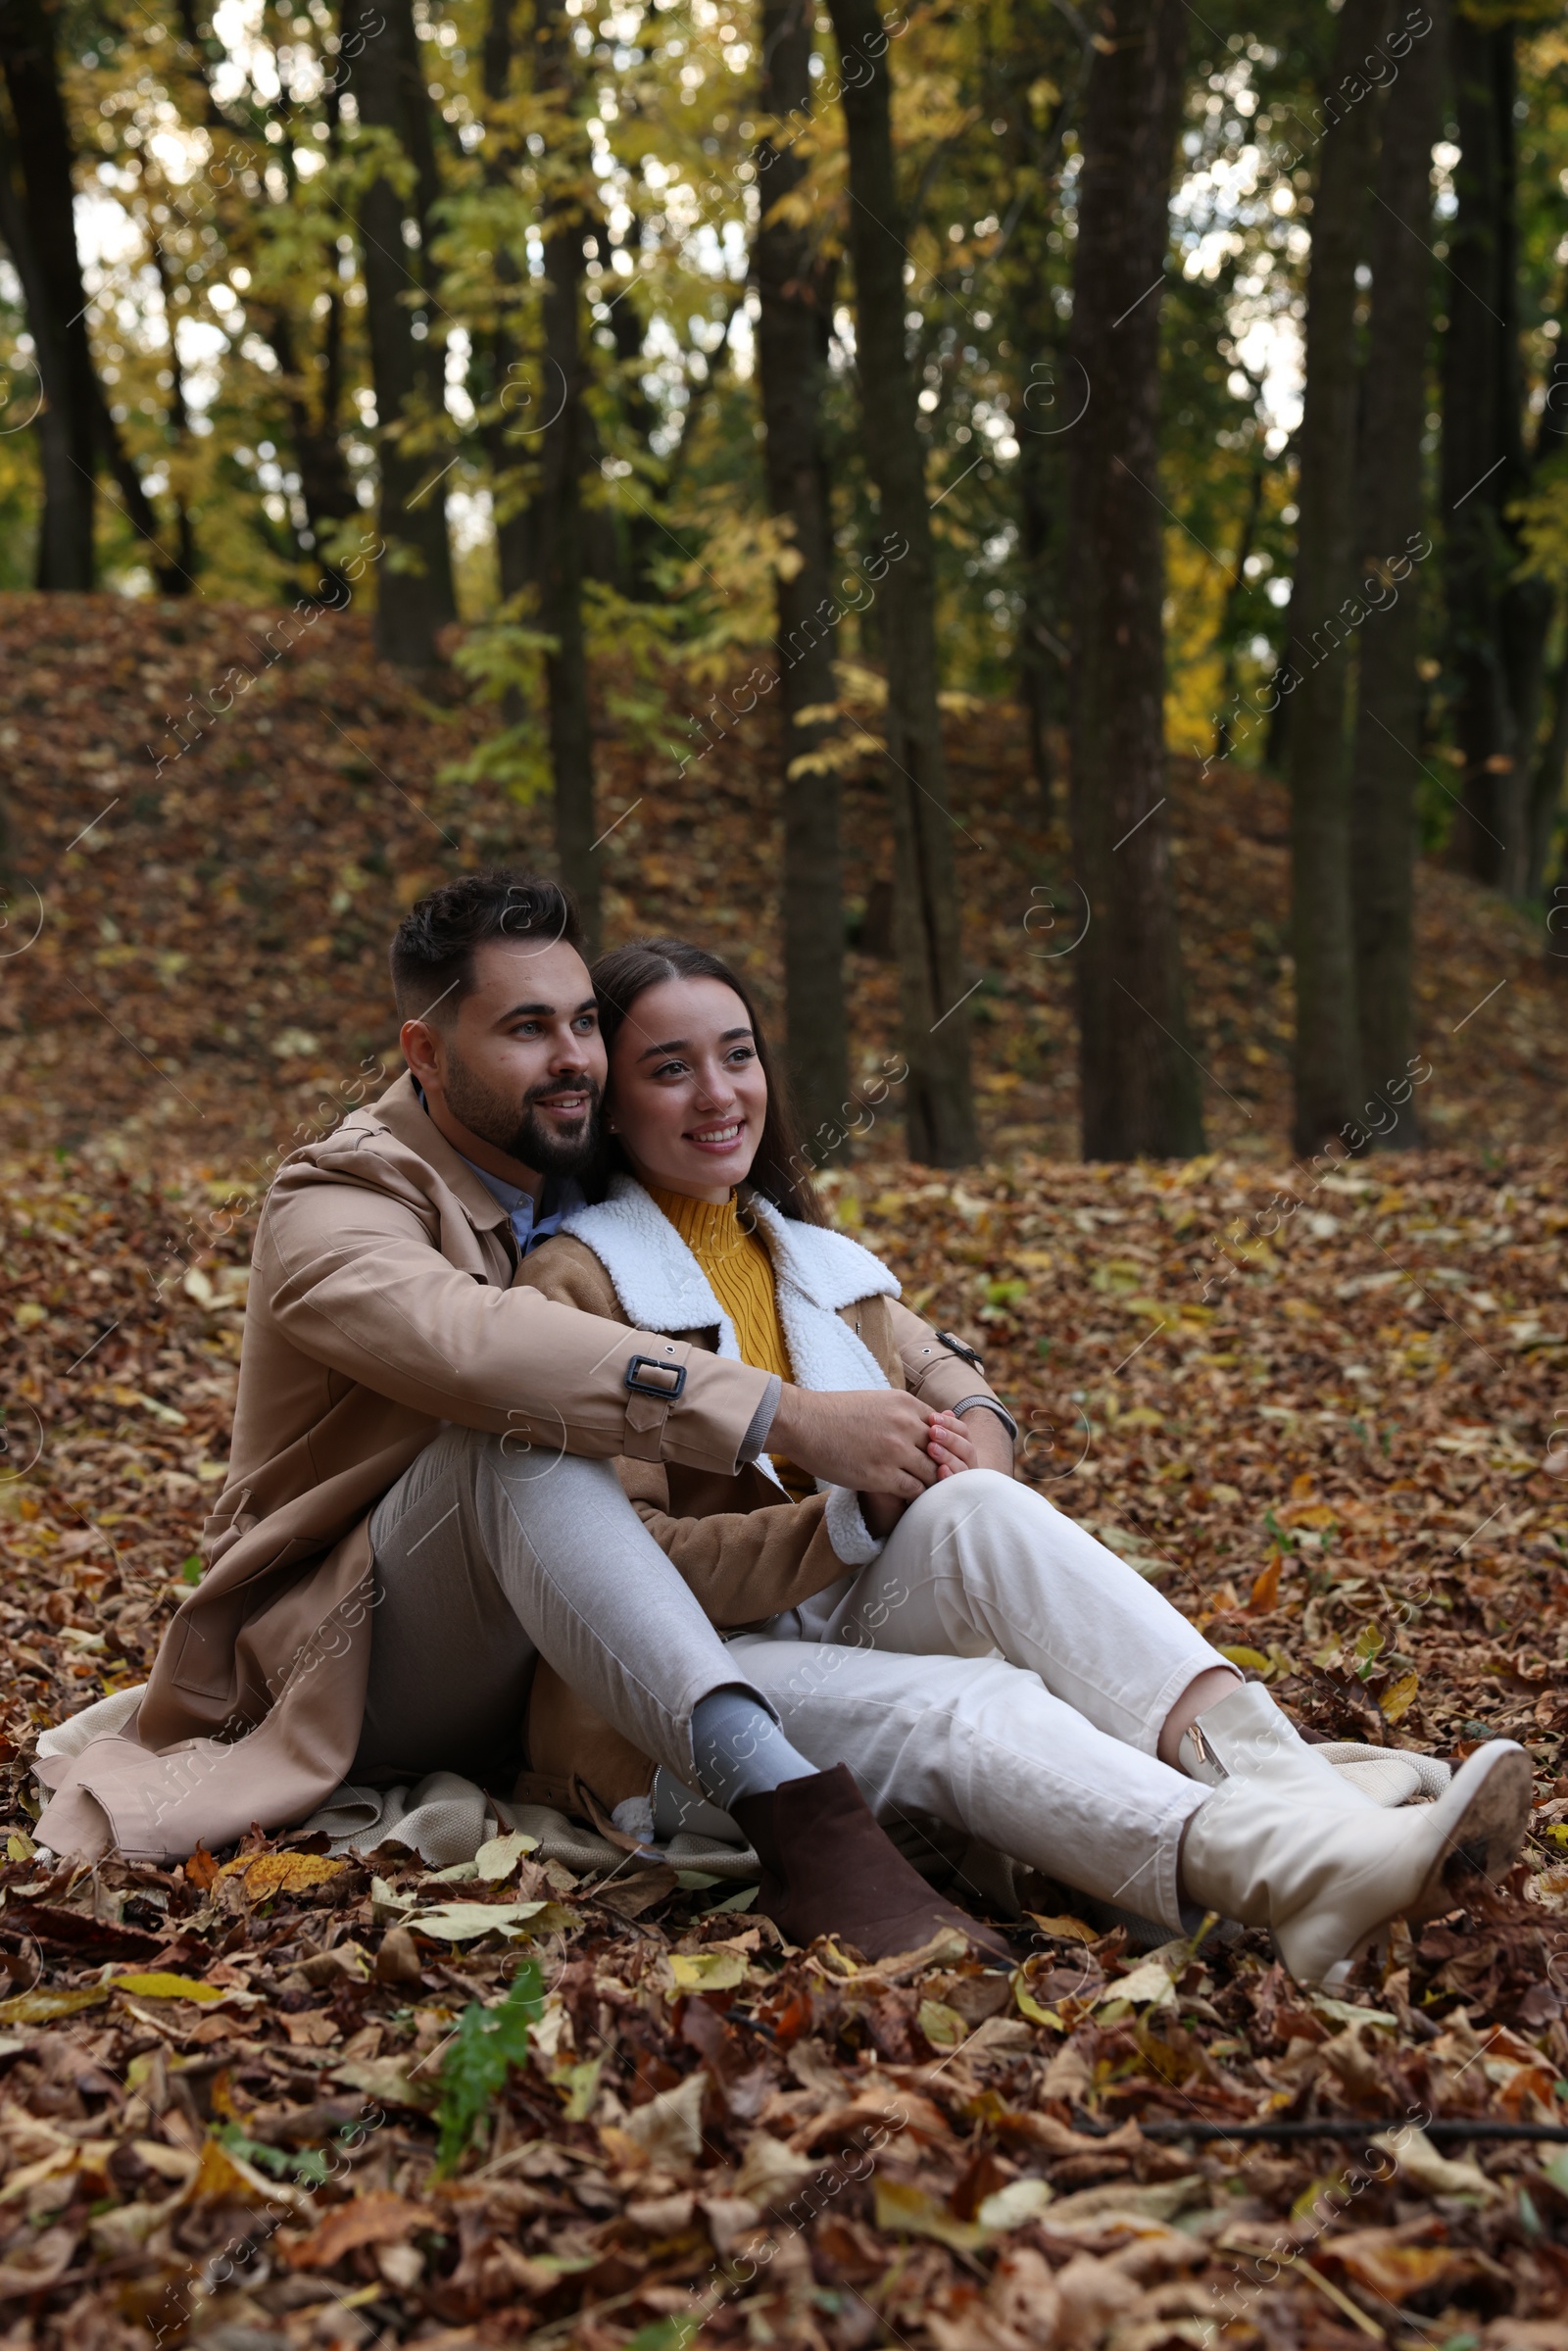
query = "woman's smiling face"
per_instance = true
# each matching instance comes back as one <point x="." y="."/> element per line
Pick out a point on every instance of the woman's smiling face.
<point x="687" y="1094"/>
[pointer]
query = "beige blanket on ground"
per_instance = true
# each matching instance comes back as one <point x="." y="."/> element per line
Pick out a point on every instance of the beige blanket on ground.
<point x="443" y="1818"/>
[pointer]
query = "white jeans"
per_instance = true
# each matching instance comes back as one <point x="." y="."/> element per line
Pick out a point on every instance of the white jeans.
<point x="485" y="1559"/>
<point x="999" y="1668"/>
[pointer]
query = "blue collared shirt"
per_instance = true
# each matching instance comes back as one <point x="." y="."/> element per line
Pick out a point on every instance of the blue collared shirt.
<point x="531" y="1223"/>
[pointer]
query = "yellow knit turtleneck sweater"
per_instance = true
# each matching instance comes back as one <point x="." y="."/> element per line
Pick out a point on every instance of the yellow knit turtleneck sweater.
<point x="740" y="1273"/>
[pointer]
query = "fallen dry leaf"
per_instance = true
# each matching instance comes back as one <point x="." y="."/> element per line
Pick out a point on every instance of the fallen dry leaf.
<point x="1378" y="2259"/>
<point x="377" y="2218"/>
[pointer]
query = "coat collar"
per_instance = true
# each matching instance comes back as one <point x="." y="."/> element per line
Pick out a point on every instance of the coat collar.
<point x="826" y="1267"/>
<point x="400" y="1110"/>
<point x="662" y="1287"/>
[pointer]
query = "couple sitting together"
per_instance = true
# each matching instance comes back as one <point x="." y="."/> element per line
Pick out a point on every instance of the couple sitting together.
<point x="571" y="1441"/>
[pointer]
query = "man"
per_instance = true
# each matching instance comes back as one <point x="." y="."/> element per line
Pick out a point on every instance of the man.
<point x="419" y="1499"/>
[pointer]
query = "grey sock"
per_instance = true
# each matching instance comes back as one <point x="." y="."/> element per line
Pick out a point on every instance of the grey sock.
<point x="740" y="1749"/>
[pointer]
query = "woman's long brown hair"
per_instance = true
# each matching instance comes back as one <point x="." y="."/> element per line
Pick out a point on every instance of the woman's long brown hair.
<point x="779" y="1171"/>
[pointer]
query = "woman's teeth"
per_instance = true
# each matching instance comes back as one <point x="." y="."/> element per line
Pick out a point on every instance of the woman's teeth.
<point x="717" y="1136"/>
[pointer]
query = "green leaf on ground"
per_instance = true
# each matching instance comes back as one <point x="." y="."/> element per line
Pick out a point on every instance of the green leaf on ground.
<point x="487" y="2044"/>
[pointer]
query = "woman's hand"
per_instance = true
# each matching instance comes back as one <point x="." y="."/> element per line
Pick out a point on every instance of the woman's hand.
<point x="951" y="1446"/>
<point x="881" y="1513"/>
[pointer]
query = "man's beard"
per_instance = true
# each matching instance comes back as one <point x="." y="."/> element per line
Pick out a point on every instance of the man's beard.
<point x="496" y="1119"/>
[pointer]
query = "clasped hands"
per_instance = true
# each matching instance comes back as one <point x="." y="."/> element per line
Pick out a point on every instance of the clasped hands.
<point x="977" y="1442"/>
<point x="884" y="1444"/>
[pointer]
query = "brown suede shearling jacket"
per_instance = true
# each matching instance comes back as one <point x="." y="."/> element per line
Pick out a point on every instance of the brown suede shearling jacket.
<point x="746" y="1552"/>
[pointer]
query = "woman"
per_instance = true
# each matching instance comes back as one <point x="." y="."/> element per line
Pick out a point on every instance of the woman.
<point x="973" y="1653"/>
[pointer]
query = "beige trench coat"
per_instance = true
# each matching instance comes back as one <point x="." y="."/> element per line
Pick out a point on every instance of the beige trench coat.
<point x="380" y="1309"/>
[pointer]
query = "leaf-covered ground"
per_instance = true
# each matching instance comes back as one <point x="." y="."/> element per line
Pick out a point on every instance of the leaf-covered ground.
<point x="1326" y="1418"/>
<point x="1326" y="1412"/>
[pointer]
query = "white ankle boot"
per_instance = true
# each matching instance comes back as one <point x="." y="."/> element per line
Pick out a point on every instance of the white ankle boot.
<point x="1245" y="1736"/>
<point x="1326" y="1878"/>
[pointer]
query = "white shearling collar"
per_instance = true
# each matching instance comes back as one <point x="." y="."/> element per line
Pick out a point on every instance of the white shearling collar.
<point x="662" y="1287"/>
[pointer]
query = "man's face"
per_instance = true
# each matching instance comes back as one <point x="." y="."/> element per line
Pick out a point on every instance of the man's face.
<point x="520" y="1070"/>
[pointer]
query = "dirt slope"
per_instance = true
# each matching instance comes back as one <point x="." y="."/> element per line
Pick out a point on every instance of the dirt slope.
<point x="213" y="920"/>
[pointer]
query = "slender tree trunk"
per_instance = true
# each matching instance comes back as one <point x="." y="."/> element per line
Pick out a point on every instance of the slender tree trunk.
<point x="792" y="339"/>
<point x="1229" y="621"/>
<point x="1049" y="47"/>
<point x="1043" y="655"/>
<point x="176" y="577"/>
<point x="1547" y="781"/>
<point x="516" y="552"/>
<point x="1389" y="508"/>
<point x="39" y="221"/>
<point x="1322" y="641"/>
<point x="1139" y="1083"/>
<point x="516" y="521"/>
<point x="1477" y="443"/>
<point x="415" y="591"/>
<point x="1547" y="784"/>
<point x="324" y="482"/>
<point x="76" y="429"/>
<point x="1525" y="600"/>
<point x="136" y="507"/>
<point x="932" y="992"/>
<point x="639" y="533"/>
<point x="564" y="453"/>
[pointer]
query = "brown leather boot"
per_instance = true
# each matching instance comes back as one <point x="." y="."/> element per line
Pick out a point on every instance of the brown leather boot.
<point x="829" y="1868"/>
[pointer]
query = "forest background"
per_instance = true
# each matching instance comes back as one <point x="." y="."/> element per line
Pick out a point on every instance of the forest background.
<point x="1042" y="532"/>
<point x="1151" y="383"/>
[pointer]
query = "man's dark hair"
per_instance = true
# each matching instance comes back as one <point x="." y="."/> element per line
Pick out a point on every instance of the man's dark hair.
<point x="433" y="947"/>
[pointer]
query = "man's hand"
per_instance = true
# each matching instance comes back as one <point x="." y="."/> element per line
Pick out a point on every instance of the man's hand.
<point x="871" y="1440"/>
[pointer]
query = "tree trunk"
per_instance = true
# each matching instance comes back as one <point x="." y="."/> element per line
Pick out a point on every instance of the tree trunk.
<point x="1476" y="443"/>
<point x="176" y="575"/>
<point x="325" y="484"/>
<point x="1546" y="782"/>
<point x="415" y="591"/>
<point x="1388" y="511"/>
<point x="1047" y="49"/>
<point x="563" y="456"/>
<point x="516" y="553"/>
<point x="38" y="221"/>
<point x="638" y="533"/>
<point x="1321" y="647"/>
<point x="1043" y="658"/>
<point x="1525" y="600"/>
<point x="1546" y="790"/>
<point x="137" y="507"/>
<point x="1226" y="636"/>
<point x="792" y="339"/>
<point x="932" y="992"/>
<point x="1139" y="1082"/>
